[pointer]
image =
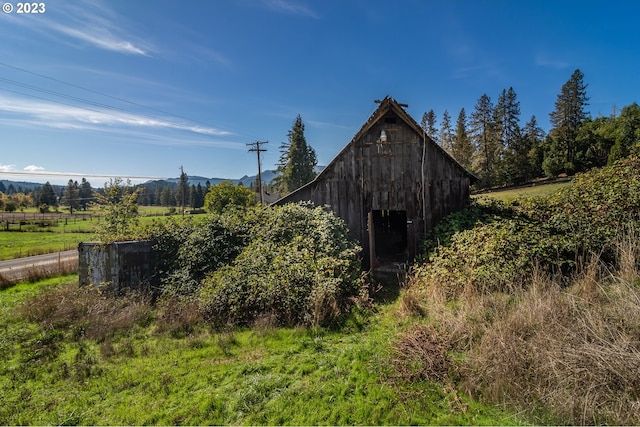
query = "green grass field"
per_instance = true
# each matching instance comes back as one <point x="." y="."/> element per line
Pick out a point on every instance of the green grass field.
<point x="32" y="238"/>
<point x="142" y="375"/>
<point x="509" y="195"/>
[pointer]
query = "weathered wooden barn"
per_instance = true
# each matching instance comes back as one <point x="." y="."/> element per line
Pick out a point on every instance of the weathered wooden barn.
<point x="390" y="184"/>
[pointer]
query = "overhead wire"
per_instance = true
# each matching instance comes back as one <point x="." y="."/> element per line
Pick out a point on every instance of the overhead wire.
<point x="234" y="136"/>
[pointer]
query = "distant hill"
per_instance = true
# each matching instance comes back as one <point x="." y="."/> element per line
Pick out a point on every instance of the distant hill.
<point x="25" y="187"/>
<point x="267" y="177"/>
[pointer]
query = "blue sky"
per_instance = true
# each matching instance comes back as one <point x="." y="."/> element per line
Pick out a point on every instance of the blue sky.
<point x="139" y="88"/>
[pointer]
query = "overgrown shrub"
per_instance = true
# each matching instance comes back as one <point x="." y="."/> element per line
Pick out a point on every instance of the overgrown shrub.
<point x="187" y="250"/>
<point x="554" y="233"/>
<point x="539" y="309"/>
<point x="302" y="269"/>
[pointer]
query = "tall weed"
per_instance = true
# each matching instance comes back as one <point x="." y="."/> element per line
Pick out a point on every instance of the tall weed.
<point x="540" y="310"/>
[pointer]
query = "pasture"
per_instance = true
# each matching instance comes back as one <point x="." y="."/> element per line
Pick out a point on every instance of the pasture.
<point x="32" y="233"/>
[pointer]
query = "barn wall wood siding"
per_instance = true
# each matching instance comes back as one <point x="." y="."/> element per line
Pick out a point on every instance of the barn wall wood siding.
<point x="407" y="173"/>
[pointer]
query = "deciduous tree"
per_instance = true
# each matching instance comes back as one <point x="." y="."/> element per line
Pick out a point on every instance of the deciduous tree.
<point x="225" y="194"/>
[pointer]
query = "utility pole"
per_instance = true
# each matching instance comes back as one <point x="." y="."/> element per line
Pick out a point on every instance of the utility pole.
<point x="255" y="146"/>
<point x="182" y="185"/>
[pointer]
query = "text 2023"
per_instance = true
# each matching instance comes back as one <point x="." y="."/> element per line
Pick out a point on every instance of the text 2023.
<point x="31" y="7"/>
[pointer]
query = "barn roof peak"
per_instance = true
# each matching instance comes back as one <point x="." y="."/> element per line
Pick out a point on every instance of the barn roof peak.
<point x="389" y="99"/>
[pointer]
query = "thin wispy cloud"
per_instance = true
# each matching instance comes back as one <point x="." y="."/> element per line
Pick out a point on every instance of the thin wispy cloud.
<point x="542" y="60"/>
<point x="101" y="38"/>
<point x="291" y="7"/>
<point x="33" y="168"/>
<point x="7" y="168"/>
<point x="91" y="23"/>
<point x="63" y="116"/>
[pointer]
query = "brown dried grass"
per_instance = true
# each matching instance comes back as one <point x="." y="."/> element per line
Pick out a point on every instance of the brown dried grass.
<point x="562" y="350"/>
<point x="178" y="315"/>
<point x="87" y="312"/>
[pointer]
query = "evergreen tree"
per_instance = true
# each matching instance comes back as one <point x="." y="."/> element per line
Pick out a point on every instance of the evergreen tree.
<point x="86" y="194"/>
<point x="566" y="119"/>
<point x="507" y="127"/>
<point x="183" y="189"/>
<point x="196" y="197"/>
<point x="11" y="189"/>
<point x="428" y="124"/>
<point x="71" y="195"/>
<point x="3" y="189"/>
<point x="462" y="149"/>
<point x="529" y="152"/>
<point x="297" y="160"/>
<point x="167" y="198"/>
<point x="48" y="196"/>
<point x="482" y="130"/>
<point x="446" y="132"/>
<point x="199" y="197"/>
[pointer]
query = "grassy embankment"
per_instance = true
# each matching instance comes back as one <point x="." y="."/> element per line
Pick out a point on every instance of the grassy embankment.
<point x="95" y="361"/>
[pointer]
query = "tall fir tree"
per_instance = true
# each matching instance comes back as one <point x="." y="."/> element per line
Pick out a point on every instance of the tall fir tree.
<point x="183" y="189"/>
<point x="85" y="193"/>
<point x="297" y="160"/>
<point x="446" y="133"/>
<point x="462" y="149"/>
<point x="483" y="135"/>
<point x="566" y="119"/>
<point x="428" y="124"/>
<point x="48" y="195"/>
<point x="71" y="195"/>
<point x="507" y="127"/>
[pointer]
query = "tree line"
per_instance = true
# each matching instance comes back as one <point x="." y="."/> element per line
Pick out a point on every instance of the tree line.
<point x="491" y="143"/>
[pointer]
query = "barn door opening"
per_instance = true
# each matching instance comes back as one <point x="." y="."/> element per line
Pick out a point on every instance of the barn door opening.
<point x="390" y="235"/>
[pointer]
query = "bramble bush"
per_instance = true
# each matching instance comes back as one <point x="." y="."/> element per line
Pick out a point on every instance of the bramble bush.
<point x="489" y="246"/>
<point x="301" y="268"/>
<point x="294" y="264"/>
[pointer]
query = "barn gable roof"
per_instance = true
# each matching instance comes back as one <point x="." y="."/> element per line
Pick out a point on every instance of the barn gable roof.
<point x="386" y="105"/>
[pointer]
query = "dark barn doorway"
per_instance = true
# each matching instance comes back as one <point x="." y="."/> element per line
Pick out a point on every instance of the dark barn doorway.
<point x="390" y="231"/>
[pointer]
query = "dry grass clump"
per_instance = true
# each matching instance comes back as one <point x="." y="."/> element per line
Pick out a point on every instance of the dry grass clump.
<point x="422" y="353"/>
<point x="178" y="315"/>
<point x="86" y="311"/>
<point x="574" y="352"/>
<point x="567" y="351"/>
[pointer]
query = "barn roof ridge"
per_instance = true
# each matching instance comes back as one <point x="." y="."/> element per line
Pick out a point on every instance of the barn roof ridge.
<point x="386" y="104"/>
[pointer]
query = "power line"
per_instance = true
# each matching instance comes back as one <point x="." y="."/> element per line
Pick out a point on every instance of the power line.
<point x="79" y="175"/>
<point x="99" y="104"/>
